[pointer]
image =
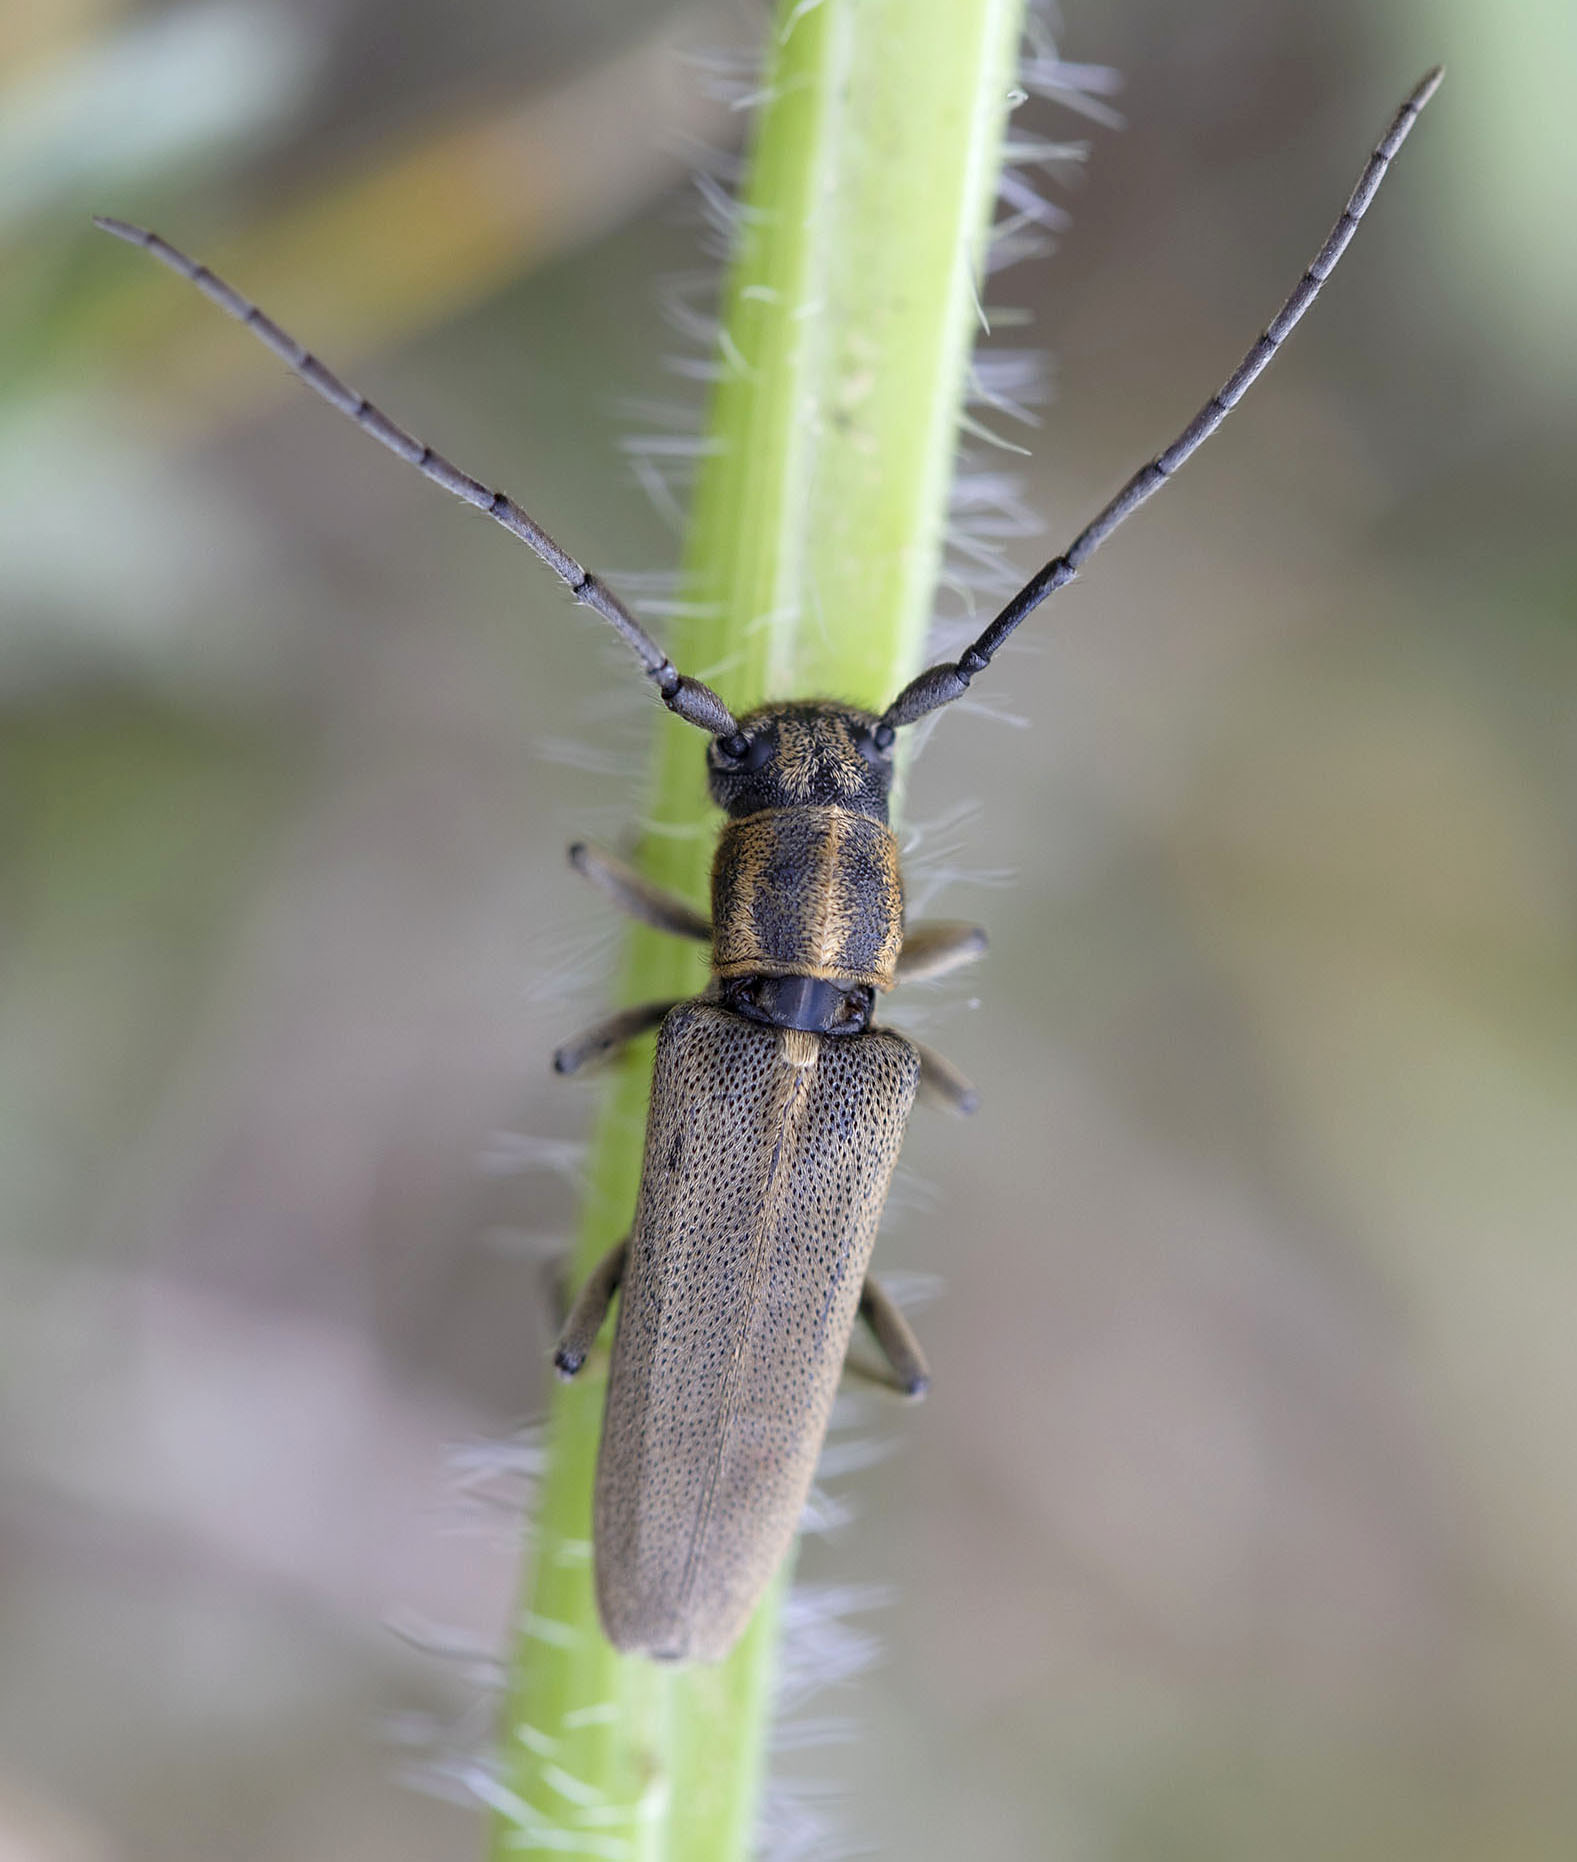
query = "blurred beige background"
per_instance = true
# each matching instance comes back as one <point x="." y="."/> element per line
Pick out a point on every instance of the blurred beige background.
<point x="1242" y="1518"/>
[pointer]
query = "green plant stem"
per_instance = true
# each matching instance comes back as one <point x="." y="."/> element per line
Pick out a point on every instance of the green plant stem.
<point x="849" y="312"/>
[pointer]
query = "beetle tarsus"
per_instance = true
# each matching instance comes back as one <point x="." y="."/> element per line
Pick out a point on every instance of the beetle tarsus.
<point x="911" y="1375"/>
<point x="942" y="1083"/>
<point x="585" y="1319"/>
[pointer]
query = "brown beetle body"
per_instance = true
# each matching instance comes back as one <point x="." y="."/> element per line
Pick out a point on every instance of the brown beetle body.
<point x="768" y="1155"/>
<point x="777" y="1110"/>
<point x="776" y="1116"/>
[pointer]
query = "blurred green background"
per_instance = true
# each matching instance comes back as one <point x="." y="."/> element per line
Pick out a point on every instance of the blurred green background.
<point x="1242" y="1518"/>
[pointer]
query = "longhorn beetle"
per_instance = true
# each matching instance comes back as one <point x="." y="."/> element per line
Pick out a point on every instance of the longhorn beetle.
<point x="777" y="1106"/>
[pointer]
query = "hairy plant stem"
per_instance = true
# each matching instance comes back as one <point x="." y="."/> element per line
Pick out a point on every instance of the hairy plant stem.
<point x="849" y="312"/>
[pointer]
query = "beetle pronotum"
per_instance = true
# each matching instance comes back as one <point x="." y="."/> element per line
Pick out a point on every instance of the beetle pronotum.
<point x="777" y="1106"/>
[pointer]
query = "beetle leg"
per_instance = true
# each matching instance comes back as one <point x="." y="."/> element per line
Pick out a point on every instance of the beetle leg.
<point x="587" y="1314"/>
<point x="942" y="1083"/>
<point x="911" y="1375"/>
<point x="634" y="893"/>
<point x="937" y="946"/>
<point x="606" y="1038"/>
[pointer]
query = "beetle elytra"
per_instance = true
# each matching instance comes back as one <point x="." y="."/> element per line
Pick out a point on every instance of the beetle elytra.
<point x="777" y="1106"/>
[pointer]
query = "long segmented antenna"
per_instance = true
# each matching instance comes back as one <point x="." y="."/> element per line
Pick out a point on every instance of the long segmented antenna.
<point x="687" y="698"/>
<point x="941" y="684"/>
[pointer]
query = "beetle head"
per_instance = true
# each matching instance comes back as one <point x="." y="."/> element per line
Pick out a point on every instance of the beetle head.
<point x="812" y="753"/>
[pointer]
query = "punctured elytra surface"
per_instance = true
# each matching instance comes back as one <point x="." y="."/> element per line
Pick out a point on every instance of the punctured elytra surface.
<point x="768" y="1158"/>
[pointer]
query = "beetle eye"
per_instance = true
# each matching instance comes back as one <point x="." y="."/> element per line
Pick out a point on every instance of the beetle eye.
<point x="740" y="752"/>
<point x="874" y="745"/>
